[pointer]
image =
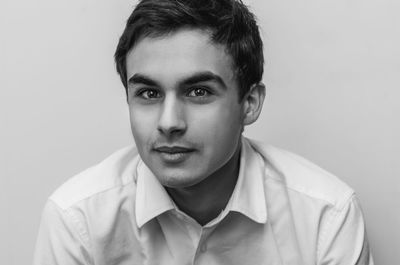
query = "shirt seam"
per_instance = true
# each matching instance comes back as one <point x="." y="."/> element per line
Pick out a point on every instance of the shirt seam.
<point x="70" y="205"/>
<point x="336" y="206"/>
<point x="336" y="212"/>
<point x="77" y="226"/>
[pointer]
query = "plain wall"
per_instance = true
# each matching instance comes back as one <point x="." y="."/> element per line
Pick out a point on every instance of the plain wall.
<point x="332" y="75"/>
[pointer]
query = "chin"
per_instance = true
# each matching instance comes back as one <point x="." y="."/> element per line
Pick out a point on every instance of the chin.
<point x="176" y="182"/>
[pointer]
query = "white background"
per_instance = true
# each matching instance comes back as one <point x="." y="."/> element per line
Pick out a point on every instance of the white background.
<point x="332" y="73"/>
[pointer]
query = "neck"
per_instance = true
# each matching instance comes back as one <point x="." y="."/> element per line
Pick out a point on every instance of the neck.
<point x="205" y="200"/>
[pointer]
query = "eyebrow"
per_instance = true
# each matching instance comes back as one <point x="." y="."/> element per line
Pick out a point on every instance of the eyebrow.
<point x="142" y="79"/>
<point x="195" y="78"/>
<point x="203" y="77"/>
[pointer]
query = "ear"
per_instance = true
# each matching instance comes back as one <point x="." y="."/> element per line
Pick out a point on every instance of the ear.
<point x="252" y="103"/>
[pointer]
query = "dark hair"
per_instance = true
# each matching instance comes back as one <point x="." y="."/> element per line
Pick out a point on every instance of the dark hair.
<point x="229" y="22"/>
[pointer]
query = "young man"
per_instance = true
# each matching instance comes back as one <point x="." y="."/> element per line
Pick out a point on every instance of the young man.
<point x="193" y="190"/>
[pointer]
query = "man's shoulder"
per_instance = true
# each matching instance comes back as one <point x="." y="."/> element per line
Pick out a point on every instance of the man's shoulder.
<point x="302" y="177"/>
<point x="115" y="171"/>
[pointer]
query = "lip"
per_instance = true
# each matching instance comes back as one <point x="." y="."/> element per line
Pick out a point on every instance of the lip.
<point x="173" y="149"/>
<point x="174" y="154"/>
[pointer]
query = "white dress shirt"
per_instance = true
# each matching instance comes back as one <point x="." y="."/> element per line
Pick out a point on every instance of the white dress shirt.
<point x="284" y="210"/>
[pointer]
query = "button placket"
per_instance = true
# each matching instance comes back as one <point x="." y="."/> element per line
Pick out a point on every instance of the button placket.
<point x="203" y="247"/>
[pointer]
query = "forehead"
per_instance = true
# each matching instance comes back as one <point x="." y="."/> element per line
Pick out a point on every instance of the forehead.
<point x="178" y="55"/>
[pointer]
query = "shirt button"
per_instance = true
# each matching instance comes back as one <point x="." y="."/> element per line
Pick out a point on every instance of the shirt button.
<point x="178" y="215"/>
<point x="203" y="247"/>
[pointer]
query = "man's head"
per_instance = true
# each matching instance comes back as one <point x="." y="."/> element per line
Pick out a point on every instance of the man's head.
<point x="228" y="22"/>
<point x="188" y="70"/>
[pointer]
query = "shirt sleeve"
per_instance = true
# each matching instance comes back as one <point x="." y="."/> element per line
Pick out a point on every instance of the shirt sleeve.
<point x="344" y="241"/>
<point x="59" y="239"/>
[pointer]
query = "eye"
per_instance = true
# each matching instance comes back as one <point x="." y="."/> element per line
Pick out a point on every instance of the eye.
<point x="198" y="92"/>
<point x="149" y="94"/>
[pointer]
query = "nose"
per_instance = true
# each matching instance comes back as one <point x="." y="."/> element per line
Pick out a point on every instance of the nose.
<point x="172" y="117"/>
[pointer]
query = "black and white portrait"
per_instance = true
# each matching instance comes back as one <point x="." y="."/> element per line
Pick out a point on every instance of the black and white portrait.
<point x="199" y="132"/>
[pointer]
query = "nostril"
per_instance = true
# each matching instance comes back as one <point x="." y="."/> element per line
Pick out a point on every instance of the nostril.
<point x="169" y="125"/>
<point x="171" y="131"/>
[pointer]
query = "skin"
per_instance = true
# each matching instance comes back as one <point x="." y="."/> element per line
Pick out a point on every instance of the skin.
<point x="186" y="117"/>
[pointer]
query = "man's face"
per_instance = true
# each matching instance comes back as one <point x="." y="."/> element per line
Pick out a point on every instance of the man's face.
<point x="185" y="113"/>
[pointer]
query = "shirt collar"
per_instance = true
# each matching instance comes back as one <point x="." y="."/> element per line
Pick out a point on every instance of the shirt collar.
<point x="248" y="196"/>
<point x="151" y="197"/>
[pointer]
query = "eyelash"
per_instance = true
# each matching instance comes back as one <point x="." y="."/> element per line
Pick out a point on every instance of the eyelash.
<point x="142" y="93"/>
<point x="193" y="89"/>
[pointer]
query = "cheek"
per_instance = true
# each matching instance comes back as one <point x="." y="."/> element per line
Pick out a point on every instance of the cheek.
<point x="219" y="124"/>
<point x="221" y="134"/>
<point x="141" y="125"/>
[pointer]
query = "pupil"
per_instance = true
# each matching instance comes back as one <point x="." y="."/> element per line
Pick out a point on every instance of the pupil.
<point x="199" y="92"/>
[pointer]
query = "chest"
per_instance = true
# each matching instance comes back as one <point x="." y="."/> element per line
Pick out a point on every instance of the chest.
<point x="167" y="240"/>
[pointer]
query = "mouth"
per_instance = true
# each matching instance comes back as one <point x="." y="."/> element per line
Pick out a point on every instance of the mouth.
<point x="173" y="149"/>
<point x="174" y="154"/>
